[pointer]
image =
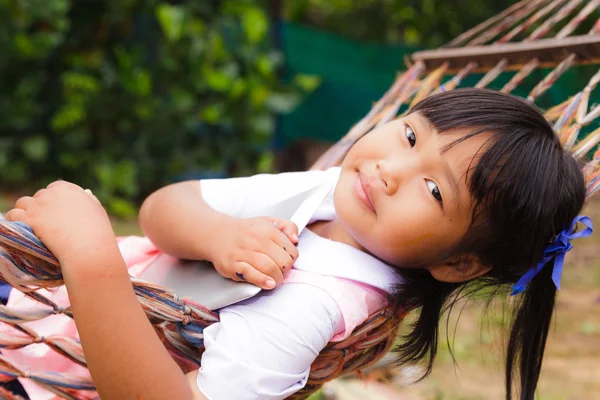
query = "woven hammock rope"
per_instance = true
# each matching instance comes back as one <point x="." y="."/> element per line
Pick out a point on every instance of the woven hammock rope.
<point x="515" y="41"/>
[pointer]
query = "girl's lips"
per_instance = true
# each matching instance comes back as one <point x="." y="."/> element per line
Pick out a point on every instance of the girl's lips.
<point x="361" y="187"/>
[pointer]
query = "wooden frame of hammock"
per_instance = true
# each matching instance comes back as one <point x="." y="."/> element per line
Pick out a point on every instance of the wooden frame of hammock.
<point x="549" y="52"/>
<point x="373" y="338"/>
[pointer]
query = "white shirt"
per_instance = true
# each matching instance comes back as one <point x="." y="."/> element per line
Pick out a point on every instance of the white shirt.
<point x="262" y="348"/>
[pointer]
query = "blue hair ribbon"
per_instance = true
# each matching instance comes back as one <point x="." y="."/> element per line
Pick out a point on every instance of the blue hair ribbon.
<point x="558" y="249"/>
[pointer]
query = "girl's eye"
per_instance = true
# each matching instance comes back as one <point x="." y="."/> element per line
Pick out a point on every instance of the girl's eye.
<point x="410" y="135"/>
<point x="435" y="191"/>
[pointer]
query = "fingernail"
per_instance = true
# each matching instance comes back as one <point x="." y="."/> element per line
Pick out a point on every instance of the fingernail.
<point x="295" y="237"/>
<point x="270" y="284"/>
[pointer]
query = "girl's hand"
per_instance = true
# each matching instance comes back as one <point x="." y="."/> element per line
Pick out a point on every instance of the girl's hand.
<point x="66" y="218"/>
<point x="256" y="250"/>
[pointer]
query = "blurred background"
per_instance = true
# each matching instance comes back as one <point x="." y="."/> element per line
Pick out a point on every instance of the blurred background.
<point x="125" y="96"/>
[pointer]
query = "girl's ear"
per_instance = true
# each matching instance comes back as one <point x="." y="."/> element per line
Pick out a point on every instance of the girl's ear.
<point x="458" y="270"/>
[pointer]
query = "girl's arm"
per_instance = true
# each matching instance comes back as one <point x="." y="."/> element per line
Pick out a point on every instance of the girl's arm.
<point x="179" y="222"/>
<point x="125" y="357"/>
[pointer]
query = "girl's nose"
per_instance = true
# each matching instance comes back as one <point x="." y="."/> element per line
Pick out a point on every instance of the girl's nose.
<point x="389" y="176"/>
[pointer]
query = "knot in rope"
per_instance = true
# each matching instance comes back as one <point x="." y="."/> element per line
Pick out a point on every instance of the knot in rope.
<point x="186" y="314"/>
<point x="59" y="310"/>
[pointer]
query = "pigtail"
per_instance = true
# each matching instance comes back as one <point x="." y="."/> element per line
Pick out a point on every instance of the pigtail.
<point x="528" y="334"/>
<point x="420" y="290"/>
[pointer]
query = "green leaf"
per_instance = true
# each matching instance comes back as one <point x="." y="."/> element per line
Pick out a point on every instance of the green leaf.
<point x="170" y="19"/>
<point x="68" y="116"/>
<point x="212" y="113"/>
<point x="24" y="45"/>
<point x="80" y="82"/>
<point x="265" y="163"/>
<point x="258" y="95"/>
<point x="121" y="207"/>
<point x="217" y="80"/>
<point x="35" y="148"/>
<point x="144" y="111"/>
<point x="142" y="82"/>
<point x="238" y="88"/>
<point x="283" y="102"/>
<point x="182" y="100"/>
<point x="125" y="177"/>
<point x="255" y="24"/>
<point x="308" y="83"/>
<point x="264" y="65"/>
<point x="412" y="36"/>
<point x="263" y="125"/>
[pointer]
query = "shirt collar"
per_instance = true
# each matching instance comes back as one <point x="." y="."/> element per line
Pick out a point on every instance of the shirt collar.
<point x="327" y="257"/>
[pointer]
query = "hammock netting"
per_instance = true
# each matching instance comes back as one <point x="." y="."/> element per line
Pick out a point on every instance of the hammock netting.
<point x="553" y="35"/>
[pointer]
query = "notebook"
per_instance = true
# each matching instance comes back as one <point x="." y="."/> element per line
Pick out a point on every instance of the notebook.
<point x="201" y="283"/>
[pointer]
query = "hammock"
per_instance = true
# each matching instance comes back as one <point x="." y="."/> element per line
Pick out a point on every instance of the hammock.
<point x="514" y="42"/>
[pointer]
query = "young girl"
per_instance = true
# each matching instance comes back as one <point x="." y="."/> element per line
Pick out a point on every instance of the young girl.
<point x="472" y="186"/>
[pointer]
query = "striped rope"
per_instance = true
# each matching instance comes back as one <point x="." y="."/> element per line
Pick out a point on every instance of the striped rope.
<point x="461" y="39"/>
<point x="563" y="13"/>
<point x="492" y="74"/>
<point x="67" y="386"/>
<point x="575" y="22"/>
<point x="506" y="23"/>
<point x="520" y="76"/>
<point x="530" y="21"/>
<point x="595" y="29"/>
<point x="552" y="77"/>
<point x="457" y="79"/>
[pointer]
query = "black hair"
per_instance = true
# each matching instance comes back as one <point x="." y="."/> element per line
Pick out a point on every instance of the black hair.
<point x="526" y="189"/>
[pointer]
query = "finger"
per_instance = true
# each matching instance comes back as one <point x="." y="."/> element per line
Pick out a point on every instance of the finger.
<point x="263" y="263"/>
<point x="56" y="183"/>
<point x="60" y="183"/>
<point x="88" y="191"/>
<point x="39" y="193"/>
<point x="285" y="243"/>
<point x="280" y="256"/>
<point x="288" y="228"/>
<point x="24" y="202"/>
<point x="16" y="215"/>
<point x="246" y="272"/>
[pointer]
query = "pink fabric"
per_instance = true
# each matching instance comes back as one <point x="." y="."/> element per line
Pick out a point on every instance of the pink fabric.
<point x="356" y="302"/>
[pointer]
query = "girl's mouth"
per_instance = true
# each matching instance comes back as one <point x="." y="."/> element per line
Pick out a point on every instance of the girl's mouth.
<point x="362" y="189"/>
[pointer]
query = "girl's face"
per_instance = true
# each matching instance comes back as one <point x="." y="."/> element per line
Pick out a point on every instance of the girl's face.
<point x="402" y="196"/>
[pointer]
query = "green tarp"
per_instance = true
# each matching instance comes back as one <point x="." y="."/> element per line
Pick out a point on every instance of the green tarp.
<point x="355" y="74"/>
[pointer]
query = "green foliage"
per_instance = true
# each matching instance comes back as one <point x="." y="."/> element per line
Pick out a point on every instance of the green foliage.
<point x="123" y="95"/>
<point x="428" y="23"/>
